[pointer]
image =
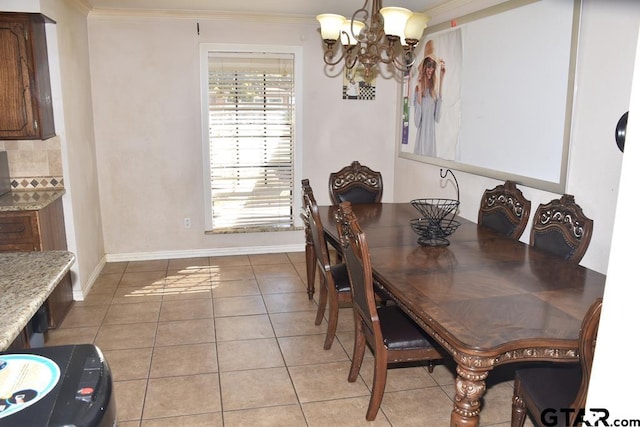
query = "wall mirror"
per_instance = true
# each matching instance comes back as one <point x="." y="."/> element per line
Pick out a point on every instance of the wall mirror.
<point x="491" y="93"/>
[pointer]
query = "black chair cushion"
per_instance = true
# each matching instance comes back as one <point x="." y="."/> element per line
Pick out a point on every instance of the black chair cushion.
<point x="358" y="195"/>
<point x="535" y="383"/>
<point x="554" y="242"/>
<point x="399" y="332"/>
<point x="499" y="222"/>
<point x="341" y="277"/>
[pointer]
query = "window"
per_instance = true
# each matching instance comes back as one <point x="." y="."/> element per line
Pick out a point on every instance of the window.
<point x="250" y="150"/>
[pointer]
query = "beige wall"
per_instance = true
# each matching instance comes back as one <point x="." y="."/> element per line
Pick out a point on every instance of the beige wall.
<point x="145" y="82"/>
<point x="74" y="124"/>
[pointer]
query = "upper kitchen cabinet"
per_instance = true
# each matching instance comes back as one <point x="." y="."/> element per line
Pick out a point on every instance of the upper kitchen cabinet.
<point x="26" y="110"/>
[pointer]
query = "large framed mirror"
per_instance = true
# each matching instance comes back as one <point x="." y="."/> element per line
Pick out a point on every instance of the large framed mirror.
<point x="491" y="93"/>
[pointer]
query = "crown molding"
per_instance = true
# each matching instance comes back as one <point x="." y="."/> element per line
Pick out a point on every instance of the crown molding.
<point x="81" y="5"/>
<point x="469" y="6"/>
<point x="198" y="14"/>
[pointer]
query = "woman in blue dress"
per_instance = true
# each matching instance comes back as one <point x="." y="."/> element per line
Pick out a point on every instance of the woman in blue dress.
<point x="427" y="101"/>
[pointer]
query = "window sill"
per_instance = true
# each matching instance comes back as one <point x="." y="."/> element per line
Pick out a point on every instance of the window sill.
<point x="265" y="229"/>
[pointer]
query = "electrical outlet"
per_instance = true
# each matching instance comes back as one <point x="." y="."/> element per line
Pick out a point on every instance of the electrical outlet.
<point x="187" y="223"/>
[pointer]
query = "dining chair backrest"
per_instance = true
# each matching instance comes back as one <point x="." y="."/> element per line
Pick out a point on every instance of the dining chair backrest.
<point x="588" y="337"/>
<point x="355" y="183"/>
<point x="312" y="215"/>
<point x="560" y="227"/>
<point x="393" y="337"/>
<point x="356" y="256"/>
<point x="505" y="210"/>
<point x="335" y="287"/>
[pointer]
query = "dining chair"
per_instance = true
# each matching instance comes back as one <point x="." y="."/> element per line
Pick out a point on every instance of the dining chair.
<point x="334" y="279"/>
<point x="556" y="390"/>
<point x="505" y="210"/>
<point x="356" y="184"/>
<point x="392" y="335"/>
<point x="560" y="227"/>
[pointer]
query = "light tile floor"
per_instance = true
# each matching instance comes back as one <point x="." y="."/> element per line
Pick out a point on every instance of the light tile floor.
<point x="231" y="341"/>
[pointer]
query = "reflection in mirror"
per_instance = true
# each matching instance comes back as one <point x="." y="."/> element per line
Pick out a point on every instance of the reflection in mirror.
<point x="492" y="93"/>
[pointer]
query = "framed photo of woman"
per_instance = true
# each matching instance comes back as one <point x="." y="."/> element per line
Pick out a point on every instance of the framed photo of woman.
<point x="432" y="97"/>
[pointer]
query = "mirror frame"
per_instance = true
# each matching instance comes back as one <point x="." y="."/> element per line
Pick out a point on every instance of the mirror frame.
<point x="555" y="187"/>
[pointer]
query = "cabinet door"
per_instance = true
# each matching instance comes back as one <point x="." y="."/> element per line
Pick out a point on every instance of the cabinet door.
<point x="15" y="91"/>
<point x="19" y="232"/>
<point x="60" y="301"/>
<point x="26" y="110"/>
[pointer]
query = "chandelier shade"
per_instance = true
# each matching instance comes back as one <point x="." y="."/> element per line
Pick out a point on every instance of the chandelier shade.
<point x="372" y="36"/>
<point x="395" y="19"/>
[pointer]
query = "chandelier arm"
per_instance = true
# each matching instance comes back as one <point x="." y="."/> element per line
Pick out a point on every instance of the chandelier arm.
<point x="364" y="18"/>
<point x="329" y="55"/>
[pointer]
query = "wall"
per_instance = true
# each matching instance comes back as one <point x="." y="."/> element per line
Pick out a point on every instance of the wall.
<point x="71" y="153"/>
<point x="621" y="296"/>
<point x="74" y="125"/>
<point x="145" y="83"/>
<point x="602" y="96"/>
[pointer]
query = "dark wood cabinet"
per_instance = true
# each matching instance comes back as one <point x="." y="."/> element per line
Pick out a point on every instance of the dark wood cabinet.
<point x="40" y="230"/>
<point x="26" y="109"/>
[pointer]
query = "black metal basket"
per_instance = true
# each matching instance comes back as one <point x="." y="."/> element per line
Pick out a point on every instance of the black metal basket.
<point x="436" y="209"/>
<point x="437" y="215"/>
<point x="434" y="233"/>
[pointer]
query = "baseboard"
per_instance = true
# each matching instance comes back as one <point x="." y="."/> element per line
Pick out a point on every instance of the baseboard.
<point x="79" y="295"/>
<point x="194" y="253"/>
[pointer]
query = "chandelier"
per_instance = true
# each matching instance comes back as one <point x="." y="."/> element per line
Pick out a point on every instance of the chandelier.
<point x="385" y="35"/>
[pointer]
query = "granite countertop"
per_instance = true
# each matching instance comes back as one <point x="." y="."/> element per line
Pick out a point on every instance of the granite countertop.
<point x="28" y="200"/>
<point x="26" y="280"/>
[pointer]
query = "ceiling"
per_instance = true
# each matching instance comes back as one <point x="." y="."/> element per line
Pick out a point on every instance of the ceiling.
<point x="277" y="7"/>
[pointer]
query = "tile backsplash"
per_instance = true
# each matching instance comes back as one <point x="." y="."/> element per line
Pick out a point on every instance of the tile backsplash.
<point x="37" y="183"/>
<point x="34" y="164"/>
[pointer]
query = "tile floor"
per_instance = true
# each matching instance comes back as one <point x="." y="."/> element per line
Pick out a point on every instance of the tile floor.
<point x="231" y="341"/>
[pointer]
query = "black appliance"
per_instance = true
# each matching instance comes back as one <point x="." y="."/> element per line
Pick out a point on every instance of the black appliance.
<point x="68" y="385"/>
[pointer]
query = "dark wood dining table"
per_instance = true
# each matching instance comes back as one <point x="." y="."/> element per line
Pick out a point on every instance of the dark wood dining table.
<point x="487" y="299"/>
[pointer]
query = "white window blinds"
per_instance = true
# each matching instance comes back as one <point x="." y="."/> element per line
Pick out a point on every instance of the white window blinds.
<point x="251" y="115"/>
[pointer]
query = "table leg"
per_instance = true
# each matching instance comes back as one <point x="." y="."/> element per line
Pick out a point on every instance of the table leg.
<point x="310" y="254"/>
<point x="470" y="386"/>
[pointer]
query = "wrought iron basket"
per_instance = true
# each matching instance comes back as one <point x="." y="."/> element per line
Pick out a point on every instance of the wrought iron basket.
<point x="434" y="232"/>
<point x="436" y="220"/>
<point x="435" y="209"/>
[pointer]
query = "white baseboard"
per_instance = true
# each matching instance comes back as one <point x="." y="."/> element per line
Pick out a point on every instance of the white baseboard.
<point x="194" y="253"/>
<point x="80" y="294"/>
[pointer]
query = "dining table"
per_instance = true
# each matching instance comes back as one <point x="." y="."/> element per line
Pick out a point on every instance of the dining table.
<point x="487" y="299"/>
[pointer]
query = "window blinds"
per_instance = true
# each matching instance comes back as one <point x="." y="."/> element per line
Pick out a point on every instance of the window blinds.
<point x="251" y="113"/>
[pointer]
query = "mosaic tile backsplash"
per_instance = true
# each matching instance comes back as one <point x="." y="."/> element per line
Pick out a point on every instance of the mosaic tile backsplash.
<point x="37" y="183"/>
